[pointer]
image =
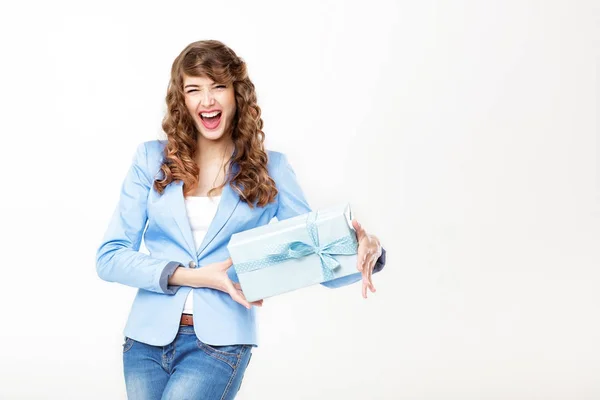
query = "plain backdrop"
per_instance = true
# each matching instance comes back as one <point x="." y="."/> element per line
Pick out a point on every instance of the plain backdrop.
<point x="464" y="134"/>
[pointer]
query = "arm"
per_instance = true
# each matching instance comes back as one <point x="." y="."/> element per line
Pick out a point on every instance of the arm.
<point x="292" y="202"/>
<point x="118" y="258"/>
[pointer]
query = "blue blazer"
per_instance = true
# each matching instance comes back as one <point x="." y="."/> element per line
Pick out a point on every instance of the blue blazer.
<point x="162" y="222"/>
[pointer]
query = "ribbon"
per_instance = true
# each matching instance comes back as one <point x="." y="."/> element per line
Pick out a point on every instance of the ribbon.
<point x="278" y="253"/>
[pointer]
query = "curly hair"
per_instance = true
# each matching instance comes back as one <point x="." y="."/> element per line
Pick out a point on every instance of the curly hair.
<point x="213" y="59"/>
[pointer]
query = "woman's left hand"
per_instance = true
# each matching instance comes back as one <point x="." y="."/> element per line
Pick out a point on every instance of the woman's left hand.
<point x="369" y="250"/>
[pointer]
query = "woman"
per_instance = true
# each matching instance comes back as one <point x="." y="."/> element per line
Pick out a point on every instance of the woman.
<point x="190" y="331"/>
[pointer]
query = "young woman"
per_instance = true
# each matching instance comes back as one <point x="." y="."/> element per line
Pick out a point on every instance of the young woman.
<point x="190" y="331"/>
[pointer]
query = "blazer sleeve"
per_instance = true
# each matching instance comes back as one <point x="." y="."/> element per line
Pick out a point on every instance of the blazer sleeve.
<point x="292" y="202"/>
<point x="118" y="258"/>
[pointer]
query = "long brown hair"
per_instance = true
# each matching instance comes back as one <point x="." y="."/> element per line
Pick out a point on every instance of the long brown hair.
<point x="213" y="59"/>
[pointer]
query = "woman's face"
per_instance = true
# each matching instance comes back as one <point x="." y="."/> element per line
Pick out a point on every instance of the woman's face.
<point x="205" y="98"/>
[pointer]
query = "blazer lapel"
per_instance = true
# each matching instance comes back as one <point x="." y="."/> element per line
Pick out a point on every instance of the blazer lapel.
<point x="180" y="215"/>
<point x="227" y="205"/>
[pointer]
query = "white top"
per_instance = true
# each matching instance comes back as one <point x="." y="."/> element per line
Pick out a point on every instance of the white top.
<point x="200" y="212"/>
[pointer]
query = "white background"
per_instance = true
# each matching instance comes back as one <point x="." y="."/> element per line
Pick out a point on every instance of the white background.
<point x="464" y="134"/>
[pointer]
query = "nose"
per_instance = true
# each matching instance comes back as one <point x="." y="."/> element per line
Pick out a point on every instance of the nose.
<point x="207" y="99"/>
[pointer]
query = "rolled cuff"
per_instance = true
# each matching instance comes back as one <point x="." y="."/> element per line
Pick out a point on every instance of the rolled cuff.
<point x="167" y="272"/>
<point x="380" y="262"/>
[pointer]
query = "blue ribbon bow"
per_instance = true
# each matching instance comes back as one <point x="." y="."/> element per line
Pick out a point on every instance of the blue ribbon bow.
<point x="345" y="245"/>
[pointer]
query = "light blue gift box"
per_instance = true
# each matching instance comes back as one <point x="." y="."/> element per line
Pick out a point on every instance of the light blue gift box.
<point x="295" y="253"/>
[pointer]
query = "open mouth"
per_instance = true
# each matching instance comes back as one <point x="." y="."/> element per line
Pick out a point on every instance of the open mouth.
<point x="211" y="120"/>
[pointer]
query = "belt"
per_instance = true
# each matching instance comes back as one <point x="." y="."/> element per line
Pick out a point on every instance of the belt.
<point x="187" y="319"/>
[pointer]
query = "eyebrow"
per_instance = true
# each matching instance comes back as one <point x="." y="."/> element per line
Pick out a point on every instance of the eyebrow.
<point x="191" y="85"/>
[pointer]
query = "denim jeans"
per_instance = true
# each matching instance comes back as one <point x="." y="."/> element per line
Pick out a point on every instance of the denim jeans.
<point x="184" y="369"/>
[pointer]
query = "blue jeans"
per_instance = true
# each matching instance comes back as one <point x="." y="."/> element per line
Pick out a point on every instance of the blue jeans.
<point x="184" y="369"/>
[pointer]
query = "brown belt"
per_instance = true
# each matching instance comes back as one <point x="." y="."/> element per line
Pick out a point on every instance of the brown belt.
<point x="187" y="319"/>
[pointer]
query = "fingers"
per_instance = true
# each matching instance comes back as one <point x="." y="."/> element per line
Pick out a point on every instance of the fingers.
<point x="367" y="254"/>
<point x="236" y="294"/>
<point x="257" y="303"/>
<point x="360" y="232"/>
<point x="367" y="284"/>
<point x="367" y="275"/>
<point x="360" y="255"/>
<point x="371" y="267"/>
<point x="238" y="297"/>
<point x="368" y="248"/>
<point x="365" y="251"/>
<point x="365" y="245"/>
<point x="360" y="259"/>
<point x="238" y="287"/>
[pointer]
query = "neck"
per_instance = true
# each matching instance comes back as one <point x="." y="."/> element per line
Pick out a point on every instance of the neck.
<point x="213" y="151"/>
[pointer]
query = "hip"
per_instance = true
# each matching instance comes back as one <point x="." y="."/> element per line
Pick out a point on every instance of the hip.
<point x="186" y="365"/>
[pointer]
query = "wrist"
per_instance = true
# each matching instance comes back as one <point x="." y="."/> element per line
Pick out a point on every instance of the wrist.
<point x="198" y="278"/>
<point x="184" y="277"/>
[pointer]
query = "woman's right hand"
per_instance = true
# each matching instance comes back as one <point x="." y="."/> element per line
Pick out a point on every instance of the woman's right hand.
<point x="215" y="276"/>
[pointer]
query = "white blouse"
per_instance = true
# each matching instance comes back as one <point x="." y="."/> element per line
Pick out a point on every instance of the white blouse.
<point x="200" y="211"/>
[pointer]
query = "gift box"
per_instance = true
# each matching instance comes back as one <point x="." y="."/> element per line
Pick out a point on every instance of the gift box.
<point x="295" y="253"/>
